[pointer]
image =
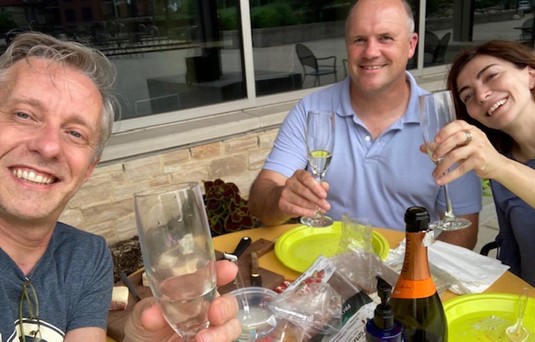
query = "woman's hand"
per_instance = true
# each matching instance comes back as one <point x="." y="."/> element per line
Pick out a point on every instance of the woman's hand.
<point x="468" y="147"/>
<point x="146" y="322"/>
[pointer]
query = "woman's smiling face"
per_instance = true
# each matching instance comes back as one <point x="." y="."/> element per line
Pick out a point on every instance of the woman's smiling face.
<point x="495" y="92"/>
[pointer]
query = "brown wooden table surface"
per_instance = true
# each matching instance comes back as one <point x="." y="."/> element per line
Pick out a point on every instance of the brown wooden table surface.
<point x="507" y="283"/>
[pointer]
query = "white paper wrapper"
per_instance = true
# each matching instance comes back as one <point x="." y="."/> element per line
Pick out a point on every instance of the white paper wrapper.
<point x="466" y="271"/>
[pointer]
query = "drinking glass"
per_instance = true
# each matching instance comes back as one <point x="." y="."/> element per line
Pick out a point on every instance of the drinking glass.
<point x="178" y="254"/>
<point x="320" y="143"/>
<point x="436" y="111"/>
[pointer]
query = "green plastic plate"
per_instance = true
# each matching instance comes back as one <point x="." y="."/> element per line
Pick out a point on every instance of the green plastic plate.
<point x="299" y="247"/>
<point x="484" y="317"/>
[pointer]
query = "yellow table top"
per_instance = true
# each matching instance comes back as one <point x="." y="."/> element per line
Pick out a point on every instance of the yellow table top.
<point x="507" y="283"/>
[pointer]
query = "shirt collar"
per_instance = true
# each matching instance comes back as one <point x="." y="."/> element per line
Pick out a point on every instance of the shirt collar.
<point x="411" y="115"/>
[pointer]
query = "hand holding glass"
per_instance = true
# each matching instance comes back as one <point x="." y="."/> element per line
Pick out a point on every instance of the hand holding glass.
<point x="436" y="111"/>
<point x="178" y="254"/>
<point x="320" y="143"/>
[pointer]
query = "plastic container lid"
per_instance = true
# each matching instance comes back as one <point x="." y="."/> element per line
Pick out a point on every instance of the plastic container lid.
<point x="256" y="318"/>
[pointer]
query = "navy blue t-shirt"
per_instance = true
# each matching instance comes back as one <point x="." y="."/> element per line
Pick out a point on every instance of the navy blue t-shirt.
<point x="516" y="238"/>
<point x="73" y="281"/>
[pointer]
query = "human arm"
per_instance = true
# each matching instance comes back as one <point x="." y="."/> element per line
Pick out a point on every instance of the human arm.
<point x="274" y="198"/>
<point x="518" y="178"/>
<point x="146" y="322"/>
<point x="463" y="237"/>
<point x="86" y="334"/>
<point x="479" y="155"/>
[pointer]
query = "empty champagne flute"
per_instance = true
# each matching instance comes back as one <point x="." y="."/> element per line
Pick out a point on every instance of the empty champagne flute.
<point x="320" y="143"/>
<point x="178" y="254"/>
<point x="436" y="111"/>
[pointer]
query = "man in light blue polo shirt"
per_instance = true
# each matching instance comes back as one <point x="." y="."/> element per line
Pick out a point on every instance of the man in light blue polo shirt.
<point x="377" y="170"/>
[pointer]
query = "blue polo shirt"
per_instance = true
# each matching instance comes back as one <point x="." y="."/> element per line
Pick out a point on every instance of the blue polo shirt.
<point x="371" y="180"/>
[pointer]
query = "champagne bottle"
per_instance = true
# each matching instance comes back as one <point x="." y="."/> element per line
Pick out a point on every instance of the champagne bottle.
<point x="415" y="300"/>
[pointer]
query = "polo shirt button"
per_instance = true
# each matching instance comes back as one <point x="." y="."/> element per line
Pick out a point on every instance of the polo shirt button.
<point x="368" y="138"/>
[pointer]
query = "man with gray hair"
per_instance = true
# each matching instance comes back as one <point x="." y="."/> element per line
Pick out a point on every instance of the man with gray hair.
<point x="377" y="170"/>
<point x="56" y="114"/>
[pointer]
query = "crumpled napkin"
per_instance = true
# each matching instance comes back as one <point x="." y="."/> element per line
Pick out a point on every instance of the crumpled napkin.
<point x="467" y="271"/>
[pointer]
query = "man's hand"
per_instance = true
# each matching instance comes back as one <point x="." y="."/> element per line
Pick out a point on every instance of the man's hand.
<point x="274" y="198"/>
<point x="302" y="195"/>
<point x="146" y="323"/>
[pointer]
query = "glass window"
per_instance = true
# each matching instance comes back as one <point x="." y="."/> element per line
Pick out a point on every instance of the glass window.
<point x="70" y="16"/>
<point x="452" y="25"/>
<point x="180" y="57"/>
<point x="170" y="55"/>
<point x="87" y="14"/>
<point x="297" y="44"/>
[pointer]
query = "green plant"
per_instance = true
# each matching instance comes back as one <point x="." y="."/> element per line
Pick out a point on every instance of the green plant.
<point x="6" y="21"/>
<point x="227" y="211"/>
<point x="228" y="18"/>
<point x="485" y="186"/>
<point x="273" y="15"/>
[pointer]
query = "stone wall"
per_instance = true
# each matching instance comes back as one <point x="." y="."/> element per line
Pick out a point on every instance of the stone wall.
<point x="104" y="205"/>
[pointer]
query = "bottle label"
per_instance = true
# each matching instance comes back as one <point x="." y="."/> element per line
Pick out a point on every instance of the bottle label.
<point x="407" y="288"/>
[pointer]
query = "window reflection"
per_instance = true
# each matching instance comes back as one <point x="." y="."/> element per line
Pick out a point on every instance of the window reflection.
<point x="169" y="54"/>
<point x="471" y="22"/>
<point x="303" y="40"/>
<point x="181" y="54"/>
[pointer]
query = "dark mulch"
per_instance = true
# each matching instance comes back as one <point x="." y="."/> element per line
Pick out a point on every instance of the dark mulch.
<point x="126" y="257"/>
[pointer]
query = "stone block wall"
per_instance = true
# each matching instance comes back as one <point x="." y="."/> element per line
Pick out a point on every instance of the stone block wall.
<point x="104" y="205"/>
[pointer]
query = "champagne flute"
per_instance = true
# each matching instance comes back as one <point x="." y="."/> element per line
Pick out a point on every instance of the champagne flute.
<point x="436" y="111"/>
<point x="178" y="254"/>
<point x="320" y="143"/>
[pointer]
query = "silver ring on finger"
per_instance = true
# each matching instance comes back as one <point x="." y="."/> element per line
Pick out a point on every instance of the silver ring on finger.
<point x="468" y="137"/>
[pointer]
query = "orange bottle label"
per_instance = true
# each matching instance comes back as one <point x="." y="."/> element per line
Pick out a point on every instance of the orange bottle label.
<point x="408" y="288"/>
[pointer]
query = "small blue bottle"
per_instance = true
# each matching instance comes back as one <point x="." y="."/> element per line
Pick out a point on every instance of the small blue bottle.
<point x="383" y="327"/>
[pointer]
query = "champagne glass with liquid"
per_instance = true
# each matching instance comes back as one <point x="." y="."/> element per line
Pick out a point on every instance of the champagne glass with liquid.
<point x="320" y="143"/>
<point x="436" y="111"/>
<point x="178" y="254"/>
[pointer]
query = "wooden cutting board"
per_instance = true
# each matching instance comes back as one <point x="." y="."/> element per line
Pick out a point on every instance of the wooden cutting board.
<point x="117" y="318"/>
<point x="270" y="279"/>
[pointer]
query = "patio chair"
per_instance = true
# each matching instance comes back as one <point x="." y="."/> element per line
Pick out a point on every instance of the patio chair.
<point x="525" y="31"/>
<point x="315" y="66"/>
<point x="431" y="42"/>
<point x="489" y="246"/>
<point x="439" y="56"/>
<point x="435" y="48"/>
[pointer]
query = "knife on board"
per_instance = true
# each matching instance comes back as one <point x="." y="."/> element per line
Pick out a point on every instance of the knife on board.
<point x="240" y="248"/>
<point x="130" y="286"/>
